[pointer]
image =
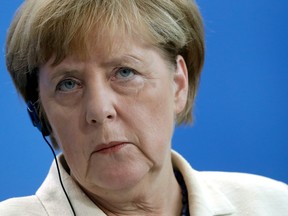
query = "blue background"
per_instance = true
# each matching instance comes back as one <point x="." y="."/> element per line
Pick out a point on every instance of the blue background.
<point x="241" y="112"/>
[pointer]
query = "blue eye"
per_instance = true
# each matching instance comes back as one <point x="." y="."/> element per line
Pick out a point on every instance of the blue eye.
<point x="125" y="73"/>
<point x="67" y="85"/>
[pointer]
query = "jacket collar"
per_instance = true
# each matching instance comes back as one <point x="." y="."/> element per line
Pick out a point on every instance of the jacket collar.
<point x="204" y="198"/>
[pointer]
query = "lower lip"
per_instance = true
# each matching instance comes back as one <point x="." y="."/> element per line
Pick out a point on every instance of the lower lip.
<point x="112" y="149"/>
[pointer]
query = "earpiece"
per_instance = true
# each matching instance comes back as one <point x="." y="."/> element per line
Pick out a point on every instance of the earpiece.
<point x="36" y="121"/>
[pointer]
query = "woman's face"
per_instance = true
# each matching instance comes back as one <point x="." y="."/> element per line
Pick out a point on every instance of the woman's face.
<point x="113" y="113"/>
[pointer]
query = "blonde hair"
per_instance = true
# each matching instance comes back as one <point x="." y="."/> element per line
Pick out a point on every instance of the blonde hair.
<point x="42" y="28"/>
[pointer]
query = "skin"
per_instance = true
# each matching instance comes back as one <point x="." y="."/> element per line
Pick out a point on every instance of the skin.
<point x="113" y="116"/>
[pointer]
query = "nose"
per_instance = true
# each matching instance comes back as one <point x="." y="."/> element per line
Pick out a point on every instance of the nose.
<point x="100" y="105"/>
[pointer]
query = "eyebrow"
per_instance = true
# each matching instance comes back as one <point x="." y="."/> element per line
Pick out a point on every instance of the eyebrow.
<point x="63" y="72"/>
<point x="125" y="59"/>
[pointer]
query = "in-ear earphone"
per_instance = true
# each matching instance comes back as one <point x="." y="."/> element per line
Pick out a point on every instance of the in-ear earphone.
<point x="36" y="121"/>
<point x="45" y="131"/>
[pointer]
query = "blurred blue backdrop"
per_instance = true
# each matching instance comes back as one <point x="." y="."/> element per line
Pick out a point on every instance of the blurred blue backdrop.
<point x="241" y="112"/>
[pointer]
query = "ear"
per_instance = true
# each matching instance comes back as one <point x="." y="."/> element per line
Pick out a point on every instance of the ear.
<point x="180" y="81"/>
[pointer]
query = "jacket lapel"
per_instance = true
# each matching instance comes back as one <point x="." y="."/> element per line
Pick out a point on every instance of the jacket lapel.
<point x="204" y="199"/>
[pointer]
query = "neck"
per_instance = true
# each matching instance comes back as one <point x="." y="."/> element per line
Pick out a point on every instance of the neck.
<point x="157" y="194"/>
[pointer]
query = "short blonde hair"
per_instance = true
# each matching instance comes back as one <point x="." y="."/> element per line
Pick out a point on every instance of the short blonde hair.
<point x="42" y="28"/>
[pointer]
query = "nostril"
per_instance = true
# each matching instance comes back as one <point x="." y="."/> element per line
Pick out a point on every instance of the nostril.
<point x="95" y="121"/>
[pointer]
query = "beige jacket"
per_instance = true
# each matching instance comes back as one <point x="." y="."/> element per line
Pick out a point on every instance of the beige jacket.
<point x="210" y="194"/>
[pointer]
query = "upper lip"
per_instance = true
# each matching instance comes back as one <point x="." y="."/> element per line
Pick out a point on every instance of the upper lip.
<point x="103" y="146"/>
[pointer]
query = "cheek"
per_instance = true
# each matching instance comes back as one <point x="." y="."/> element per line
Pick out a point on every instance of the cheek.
<point x="151" y="116"/>
<point x="68" y="135"/>
<point x="64" y="123"/>
<point x="160" y="104"/>
<point x="154" y="129"/>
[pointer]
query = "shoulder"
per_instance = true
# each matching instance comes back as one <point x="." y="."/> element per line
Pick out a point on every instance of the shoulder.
<point x="246" y="194"/>
<point x="250" y="192"/>
<point x="247" y="181"/>
<point x="24" y="206"/>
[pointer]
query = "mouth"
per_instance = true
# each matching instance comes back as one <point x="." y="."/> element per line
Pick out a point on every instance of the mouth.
<point x="112" y="147"/>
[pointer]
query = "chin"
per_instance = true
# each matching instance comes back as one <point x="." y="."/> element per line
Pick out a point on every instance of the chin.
<point x="120" y="178"/>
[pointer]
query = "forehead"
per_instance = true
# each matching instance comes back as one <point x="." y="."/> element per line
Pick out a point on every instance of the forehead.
<point x="103" y="42"/>
<point x="109" y="51"/>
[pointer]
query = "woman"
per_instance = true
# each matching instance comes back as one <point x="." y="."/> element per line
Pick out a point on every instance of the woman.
<point x="107" y="81"/>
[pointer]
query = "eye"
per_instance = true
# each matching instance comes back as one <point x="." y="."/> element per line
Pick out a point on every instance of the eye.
<point x="124" y="73"/>
<point x="68" y="85"/>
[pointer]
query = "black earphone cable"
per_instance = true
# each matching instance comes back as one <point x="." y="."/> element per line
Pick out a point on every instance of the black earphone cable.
<point x="59" y="174"/>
